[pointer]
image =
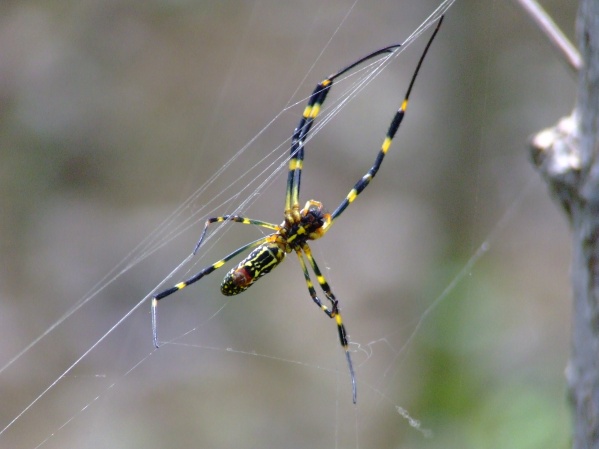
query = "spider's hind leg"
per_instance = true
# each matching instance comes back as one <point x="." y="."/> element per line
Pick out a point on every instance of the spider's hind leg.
<point x="332" y="312"/>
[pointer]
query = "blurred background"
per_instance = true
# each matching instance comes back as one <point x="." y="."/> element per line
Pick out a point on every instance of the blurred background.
<point x="113" y="113"/>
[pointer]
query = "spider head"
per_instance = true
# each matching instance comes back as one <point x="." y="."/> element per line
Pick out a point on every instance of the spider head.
<point x="313" y="214"/>
<point x="313" y="218"/>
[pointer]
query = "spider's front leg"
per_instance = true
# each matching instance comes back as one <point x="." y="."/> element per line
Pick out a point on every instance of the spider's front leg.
<point x="364" y="181"/>
<point x="296" y="158"/>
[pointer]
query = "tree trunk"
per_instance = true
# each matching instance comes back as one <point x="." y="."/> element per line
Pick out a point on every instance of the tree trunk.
<point x="567" y="157"/>
<point x="583" y="370"/>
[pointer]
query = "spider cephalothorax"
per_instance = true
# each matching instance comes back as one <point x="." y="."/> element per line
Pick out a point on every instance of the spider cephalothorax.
<point x="311" y="225"/>
<point x="299" y="226"/>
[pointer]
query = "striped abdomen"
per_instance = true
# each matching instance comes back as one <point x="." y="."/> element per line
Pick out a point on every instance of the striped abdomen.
<point x="257" y="264"/>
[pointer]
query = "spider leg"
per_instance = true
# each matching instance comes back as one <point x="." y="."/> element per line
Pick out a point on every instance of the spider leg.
<point x="204" y="272"/>
<point x="311" y="288"/>
<point x="297" y="144"/>
<point x="236" y="219"/>
<point x="333" y="312"/>
<point x="300" y="133"/>
<point x="393" y="127"/>
<point x="310" y="113"/>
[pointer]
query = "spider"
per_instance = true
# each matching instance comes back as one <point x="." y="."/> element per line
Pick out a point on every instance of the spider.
<point x="299" y="225"/>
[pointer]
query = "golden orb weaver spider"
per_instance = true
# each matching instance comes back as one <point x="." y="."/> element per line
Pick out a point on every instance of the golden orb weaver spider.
<point x="299" y="225"/>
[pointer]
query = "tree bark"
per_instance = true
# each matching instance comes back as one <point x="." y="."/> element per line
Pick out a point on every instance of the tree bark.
<point x="583" y="370"/>
<point x="567" y="157"/>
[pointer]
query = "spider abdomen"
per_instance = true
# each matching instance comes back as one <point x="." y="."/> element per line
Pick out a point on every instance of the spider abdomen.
<point x="258" y="263"/>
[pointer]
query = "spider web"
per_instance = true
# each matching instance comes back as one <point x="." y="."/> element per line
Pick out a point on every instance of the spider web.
<point x="442" y="336"/>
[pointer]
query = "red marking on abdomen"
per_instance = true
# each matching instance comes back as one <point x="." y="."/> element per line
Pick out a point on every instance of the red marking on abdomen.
<point x="241" y="277"/>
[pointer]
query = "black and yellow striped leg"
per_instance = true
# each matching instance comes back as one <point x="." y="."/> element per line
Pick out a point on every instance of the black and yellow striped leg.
<point x="300" y="133"/>
<point x="310" y="113"/>
<point x="393" y="127"/>
<point x="236" y="219"/>
<point x="311" y="288"/>
<point x="365" y="180"/>
<point x="297" y="143"/>
<point x="197" y="277"/>
<point x="331" y="313"/>
<point x="324" y="285"/>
